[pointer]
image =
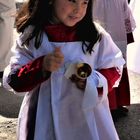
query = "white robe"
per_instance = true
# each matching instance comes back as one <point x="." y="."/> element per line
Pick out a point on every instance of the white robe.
<point x="117" y="19"/>
<point x="7" y="18"/>
<point x="63" y="111"/>
<point x="133" y="52"/>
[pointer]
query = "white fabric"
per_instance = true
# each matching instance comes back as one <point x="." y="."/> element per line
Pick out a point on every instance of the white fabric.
<point x="7" y="13"/>
<point x="133" y="52"/>
<point x="64" y="112"/>
<point x="116" y="17"/>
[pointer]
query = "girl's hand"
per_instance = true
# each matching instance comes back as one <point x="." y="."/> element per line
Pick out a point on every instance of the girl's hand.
<point x="80" y="83"/>
<point x="53" y="61"/>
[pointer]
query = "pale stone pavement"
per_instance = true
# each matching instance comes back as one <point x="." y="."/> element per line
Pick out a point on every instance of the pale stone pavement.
<point x="129" y="127"/>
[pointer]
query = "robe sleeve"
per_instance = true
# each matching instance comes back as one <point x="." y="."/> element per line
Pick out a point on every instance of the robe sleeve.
<point x="109" y="62"/>
<point x="28" y="76"/>
<point x="112" y="75"/>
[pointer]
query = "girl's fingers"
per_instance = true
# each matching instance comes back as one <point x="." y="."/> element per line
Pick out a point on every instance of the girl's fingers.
<point x="53" y="67"/>
<point x="80" y="83"/>
<point x="51" y="63"/>
<point x="58" y="53"/>
<point x="54" y="60"/>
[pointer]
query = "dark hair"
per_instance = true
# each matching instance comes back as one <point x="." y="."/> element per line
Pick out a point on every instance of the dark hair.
<point x="32" y="13"/>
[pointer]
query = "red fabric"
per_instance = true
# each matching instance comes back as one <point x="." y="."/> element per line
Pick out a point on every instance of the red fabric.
<point x="27" y="77"/>
<point x="112" y="99"/>
<point x="100" y="91"/>
<point x="120" y="96"/>
<point x="112" y="75"/>
<point x="31" y="74"/>
<point x="54" y="33"/>
<point x="130" y="38"/>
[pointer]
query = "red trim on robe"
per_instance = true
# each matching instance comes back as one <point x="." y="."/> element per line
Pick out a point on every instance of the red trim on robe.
<point x="120" y="96"/>
<point x="28" y="76"/>
<point x="112" y="75"/>
<point x="61" y="33"/>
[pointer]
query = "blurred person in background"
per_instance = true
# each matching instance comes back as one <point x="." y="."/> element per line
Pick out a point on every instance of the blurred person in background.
<point x="7" y="18"/>
<point x="133" y="52"/>
<point x="117" y="19"/>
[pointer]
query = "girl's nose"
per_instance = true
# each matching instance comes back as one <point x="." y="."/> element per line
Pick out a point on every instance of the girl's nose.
<point x="77" y="8"/>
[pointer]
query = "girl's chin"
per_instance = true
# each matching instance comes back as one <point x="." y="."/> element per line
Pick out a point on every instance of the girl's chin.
<point x="70" y="24"/>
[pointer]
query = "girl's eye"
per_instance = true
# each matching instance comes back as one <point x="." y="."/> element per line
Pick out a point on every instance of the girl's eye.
<point x="86" y="2"/>
<point x="72" y="1"/>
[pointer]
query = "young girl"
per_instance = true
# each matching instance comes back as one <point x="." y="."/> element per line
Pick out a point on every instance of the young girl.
<point x="57" y="37"/>
<point x="117" y="19"/>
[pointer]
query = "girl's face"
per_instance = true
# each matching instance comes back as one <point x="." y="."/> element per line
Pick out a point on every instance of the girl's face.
<point x="69" y="12"/>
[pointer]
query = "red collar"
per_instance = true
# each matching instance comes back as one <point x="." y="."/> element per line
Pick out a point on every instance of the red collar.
<point x="60" y="33"/>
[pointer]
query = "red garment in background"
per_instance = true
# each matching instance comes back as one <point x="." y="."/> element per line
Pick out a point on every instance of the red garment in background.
<point x="120" y="96"/>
